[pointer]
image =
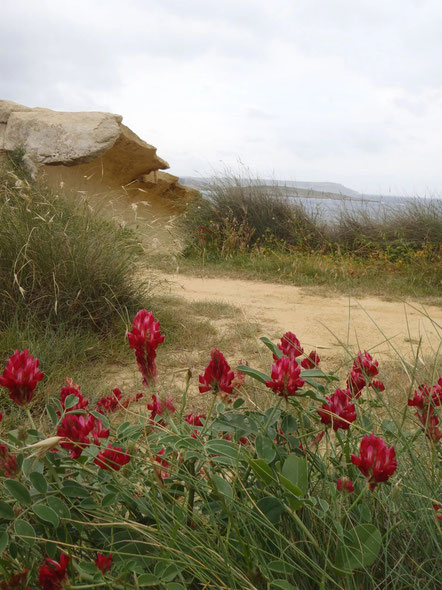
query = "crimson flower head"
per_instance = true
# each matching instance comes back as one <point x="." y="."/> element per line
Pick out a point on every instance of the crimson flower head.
<point x="290" y="346"/>
<point x="240" y="378"/>
<point x="52" y="574"/>
<point x="8" y="462"/>
<point x="194" y="419"/>
<point x="72" y="389"/>
<point x="338" y="411"/>
<point x="21" y="376"/>
<point x="426" y="395"/>
<point x="377" y="385"/>
<point x="164" y="473"/>
<point x="286" y="378"/>
<point x="76" y="430"/>
<point x="438" y="509"/>
<point x="365" y="363"/>
<point x="103" y="562"/>
<point x="218" y="376"/>
<point x="426" y="399"/>
<point x="16" y="582"/>
<point x="144" y="339"/>
<point x="376" y="461"/>
<point x="111" y="402"/>
<point x="158" y="407"/>
<point x="112" y="458"/>
<point x="311" y="361"/>
<point x="345" y="485"/>
<point x="355" y="383"/>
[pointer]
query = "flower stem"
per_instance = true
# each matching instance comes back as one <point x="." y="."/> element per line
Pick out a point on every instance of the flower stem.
<point x="31" y="420"/>
<point x="362" y="492"/>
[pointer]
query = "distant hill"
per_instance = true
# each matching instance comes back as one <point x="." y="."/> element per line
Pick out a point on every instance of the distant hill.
<point x="292" y="187"/>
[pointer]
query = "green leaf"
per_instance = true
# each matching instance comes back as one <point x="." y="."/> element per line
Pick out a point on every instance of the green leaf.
<point x="265" y="448"/>
<point x="280" y="567"/>
<point x="104" y="419"/>
<point x="257" y="375"/>
<point x="388" y="427"/>
<point x="271" y="346"/>
<point x="18" y="491"/>
<point x="88" y="566"/>
<point x="24" y="529"/>
<point x="167" y="572"/>
<point x="262" y="470"/>
<point x="4" y="541"/>
<point x="6" y="512"/>
<point x="39" y="482"/>
<point x="70" y="401"/>
<point x="272" y="508"/>
<point x="360" y="548"/>
<point x="108" y="499"/>
<point x="148" y="580"/>
<point x="295" y="470"/>
<point x="223" y="447"/>
<point x="283" y="585"/>
<point x="324" y="505"/>
<point x="317" y="373"/>
<point x="47" y="514"/>
<point x="238" y="403"/>
<point x="289" y="486"/>
<point x="223" y="486"/>
<point x="289" y="424"/>
<point x="59" y="507"/>
<point x="29" y="465"/>
<point x="364" y="512"/>
<point x="175" y="586"/>
<point x="366" y="422"/>
<point x="72" y="489"/>
<point x="52" y="414"/>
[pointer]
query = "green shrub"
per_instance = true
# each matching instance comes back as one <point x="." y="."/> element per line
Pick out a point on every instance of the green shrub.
<point x="417" y="225"/>
<point x="239" y="215"/>
<point x="60" y="262"/>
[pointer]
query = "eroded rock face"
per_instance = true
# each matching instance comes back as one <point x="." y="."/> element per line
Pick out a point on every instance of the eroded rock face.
<point x="88" y="152"/>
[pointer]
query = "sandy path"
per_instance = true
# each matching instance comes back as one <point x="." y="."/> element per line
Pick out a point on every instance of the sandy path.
<point x="321" y="322"/>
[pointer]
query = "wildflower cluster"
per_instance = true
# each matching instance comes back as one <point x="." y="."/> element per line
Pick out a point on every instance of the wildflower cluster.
<point x="305" y="459"/>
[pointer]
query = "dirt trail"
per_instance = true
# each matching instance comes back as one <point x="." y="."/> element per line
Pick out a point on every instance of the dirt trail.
<point x="321" y="322"/>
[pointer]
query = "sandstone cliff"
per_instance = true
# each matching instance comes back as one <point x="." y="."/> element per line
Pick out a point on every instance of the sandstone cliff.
<point x="90" y="152"/>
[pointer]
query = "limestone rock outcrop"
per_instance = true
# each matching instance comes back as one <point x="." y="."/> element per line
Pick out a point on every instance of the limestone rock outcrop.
<point x="88" y="151"/>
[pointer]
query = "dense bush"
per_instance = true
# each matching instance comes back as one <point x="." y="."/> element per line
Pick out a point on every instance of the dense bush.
<point x="241" y="216"/>
<point x="398" y="232"/>
<point x="61" y="262"/>
<point x="238" y="216"/>
<point x="323" y="488"/>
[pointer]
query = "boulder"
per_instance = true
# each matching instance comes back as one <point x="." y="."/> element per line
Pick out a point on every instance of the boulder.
<point x="7" y="107"/>
<point x="89" y="152"/>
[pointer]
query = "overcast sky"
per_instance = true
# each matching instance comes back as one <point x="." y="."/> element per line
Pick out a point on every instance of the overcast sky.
<point x="345" y="91"/>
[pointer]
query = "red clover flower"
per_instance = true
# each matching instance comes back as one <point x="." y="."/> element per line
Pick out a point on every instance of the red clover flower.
<point x="112" y="458"/>
<point x="144" y="339"/>
<point x="218" y="376"/>
<point x="290" y="346"/>
<point x="339" y="411"/>
<point x="104" y="562"/>
<point x="21" y="376"/>
<point x="52" y="575"/>
<point x="376" y="461"/>
<point x="286" y="378"/>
